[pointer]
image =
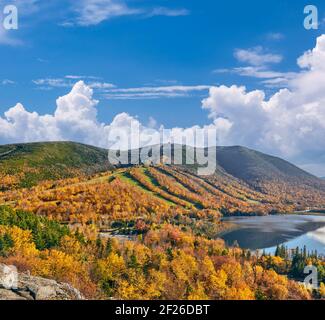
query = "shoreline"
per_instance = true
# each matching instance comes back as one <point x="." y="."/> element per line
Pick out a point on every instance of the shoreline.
<point x="269" y="233"/>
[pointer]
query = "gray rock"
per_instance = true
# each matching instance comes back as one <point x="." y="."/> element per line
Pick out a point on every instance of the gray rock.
<point x="10" y="295"/>
<point x="8" y="277"/>
<point x="23" y="286"/>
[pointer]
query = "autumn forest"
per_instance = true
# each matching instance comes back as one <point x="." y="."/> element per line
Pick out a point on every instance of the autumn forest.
<point x="150" y="231"/>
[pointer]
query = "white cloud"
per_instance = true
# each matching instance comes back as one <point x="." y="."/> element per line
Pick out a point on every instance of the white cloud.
<point x="175" y="91"/>
<point x="273" y="78"/>
<point x="75" y="118"/>
<point x="143" y="95"/>
<point x="68" y="82"/>
<point x="257" y="56"/>
<point x="162" y="11"/>
<point x="52" y="83"/>
<point x="280" y="82"/>
<point x="7" y="82"/>
<point x="110" y="91"/>
<point x="291" y="123"/>
<point x="93" y="12"/>
<point x="258" y="61"/>
<point x="275" y="36"/>
<point x="179" y="88"/>
<point x="257" y="72"/>
<point x="76" y="77"/>
<point x="101" y="85"/>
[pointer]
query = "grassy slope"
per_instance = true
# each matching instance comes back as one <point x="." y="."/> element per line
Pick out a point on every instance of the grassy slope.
<point x="52" y="160"/>
<point x="237" y="166"/>
<point x="249" y="166"/>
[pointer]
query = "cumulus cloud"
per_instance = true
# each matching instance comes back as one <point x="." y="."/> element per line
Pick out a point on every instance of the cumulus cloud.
<point x="75" y="119"/>
<point x="290" y="123"/>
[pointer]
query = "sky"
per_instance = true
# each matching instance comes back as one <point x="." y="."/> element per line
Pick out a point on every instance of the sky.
<point x="74" y="69"/>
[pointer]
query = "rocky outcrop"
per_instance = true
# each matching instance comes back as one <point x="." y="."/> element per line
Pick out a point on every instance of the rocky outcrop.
<point x="22" y="286"/>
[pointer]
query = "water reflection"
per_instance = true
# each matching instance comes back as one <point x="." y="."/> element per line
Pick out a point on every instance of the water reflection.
<point x="266" y="233"/>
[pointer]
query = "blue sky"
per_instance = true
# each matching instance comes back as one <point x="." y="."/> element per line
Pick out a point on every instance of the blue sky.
<point x="167" y="52"/>
<point x="135" y="51"/>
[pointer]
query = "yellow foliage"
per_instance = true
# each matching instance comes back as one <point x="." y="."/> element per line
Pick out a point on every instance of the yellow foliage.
<point x="111" y="267"/>
<point x="184" y="266"/>
<point x="23" y="240"/>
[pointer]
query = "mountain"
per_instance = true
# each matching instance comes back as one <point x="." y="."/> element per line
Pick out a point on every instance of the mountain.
<point x="256" y="167"/>
<point x="253" y="167"/>
<point x="240" y="167"/>
<point x="242" y="175"/>
<point x="273" y="176"/>
<point x="26" y="164"/>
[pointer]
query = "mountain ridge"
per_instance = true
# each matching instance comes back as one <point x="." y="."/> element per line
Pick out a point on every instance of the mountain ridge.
<point x="226" y="157"/>
<point x="244" y="181"/>
<point x="25" y="165"/>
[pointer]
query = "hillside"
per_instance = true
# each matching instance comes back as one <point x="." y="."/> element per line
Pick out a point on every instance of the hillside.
<point x="244" y="179"/>
<point x="273" y="176"/>
<point x="238" y="167"/>
<point x="24" y="165"/>
<point x="253" y="166"/>
<point x="246" y="164"/>
<point x="145" y="231"/>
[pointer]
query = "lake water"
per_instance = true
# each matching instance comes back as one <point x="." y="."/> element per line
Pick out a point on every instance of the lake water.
<point x="265" y="233"/>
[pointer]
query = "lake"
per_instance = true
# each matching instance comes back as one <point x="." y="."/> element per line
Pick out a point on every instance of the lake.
<point x="265" y="233"/>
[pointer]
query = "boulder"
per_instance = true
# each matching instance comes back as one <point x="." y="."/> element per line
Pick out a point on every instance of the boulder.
<point x="23" y="286"/>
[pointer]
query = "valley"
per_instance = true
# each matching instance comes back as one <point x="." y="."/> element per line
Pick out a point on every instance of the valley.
<point x="153" y="231"/>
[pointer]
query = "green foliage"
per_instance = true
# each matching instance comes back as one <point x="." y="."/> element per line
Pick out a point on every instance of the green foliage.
<point x="109" y="247"/>
<point x="51" y="160"/>
<point x="6" y="243"/>
<point x="46" y="233"/>
<point x="281" y="251"/>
